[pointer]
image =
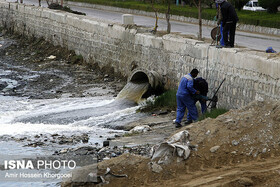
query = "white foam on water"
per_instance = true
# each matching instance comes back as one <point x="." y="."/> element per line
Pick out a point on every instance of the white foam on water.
<point x="5" y="72"/>
<point x="105" y="119"/>
<point x="66" y="104"/>
<point x="11" y="109"/>
<point x="33" y="129"/>
<point x="28" y="184"/>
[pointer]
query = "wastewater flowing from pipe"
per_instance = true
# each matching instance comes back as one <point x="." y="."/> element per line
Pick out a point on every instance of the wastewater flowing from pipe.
<point x="134" y="91"/>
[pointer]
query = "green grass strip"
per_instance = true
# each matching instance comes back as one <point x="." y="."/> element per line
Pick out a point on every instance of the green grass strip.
<point x="213" y="113"/>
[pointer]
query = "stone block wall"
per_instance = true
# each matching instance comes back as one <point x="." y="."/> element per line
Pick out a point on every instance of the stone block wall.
<point x="249" y="74"/>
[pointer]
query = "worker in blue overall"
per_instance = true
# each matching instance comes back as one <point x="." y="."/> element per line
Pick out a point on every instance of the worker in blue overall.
<point x="185" y="99"/>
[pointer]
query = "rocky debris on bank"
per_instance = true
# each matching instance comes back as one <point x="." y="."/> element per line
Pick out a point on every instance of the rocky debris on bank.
<point x="42" y="140"/>
<point x="106" y="153"/>
<point x="140" y="129"/>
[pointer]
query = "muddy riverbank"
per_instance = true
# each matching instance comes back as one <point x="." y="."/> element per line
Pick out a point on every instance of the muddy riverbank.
<point x="62" y="71"/>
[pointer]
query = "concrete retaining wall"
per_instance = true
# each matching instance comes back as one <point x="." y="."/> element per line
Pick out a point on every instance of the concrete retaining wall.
<point x="249" y="74"/>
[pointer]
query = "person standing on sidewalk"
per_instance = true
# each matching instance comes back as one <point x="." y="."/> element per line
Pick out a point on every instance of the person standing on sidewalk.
<point x="219" y="23"/>
<point x="229" y="20"/>
<point x="185" y="100"/>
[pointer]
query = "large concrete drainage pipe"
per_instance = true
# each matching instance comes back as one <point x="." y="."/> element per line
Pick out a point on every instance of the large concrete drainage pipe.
<point x="152" y="77"/>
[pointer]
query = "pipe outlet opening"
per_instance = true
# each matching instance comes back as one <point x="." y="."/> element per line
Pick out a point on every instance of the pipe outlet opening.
<point x="141" y="84"/>
<point x="150" y="77"/>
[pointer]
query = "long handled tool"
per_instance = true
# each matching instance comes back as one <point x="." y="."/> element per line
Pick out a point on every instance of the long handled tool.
<point x="216" y="92"/>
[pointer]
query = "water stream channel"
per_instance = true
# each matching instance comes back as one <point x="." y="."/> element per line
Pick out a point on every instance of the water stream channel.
<point x="40" y="105"/>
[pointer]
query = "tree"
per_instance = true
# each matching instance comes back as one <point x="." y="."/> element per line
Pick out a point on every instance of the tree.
<point x="198" y="5"/>
<point x="156" y="14"/>
<point x="167" y="15"/>
<point x="270" y="5"/>
<point x="167" y="12"/>
<point x="167" y="3"/>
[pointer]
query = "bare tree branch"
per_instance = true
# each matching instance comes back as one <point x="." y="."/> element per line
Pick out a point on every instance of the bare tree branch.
<point x="156" y="14"/>
<point x="198" y="5"/>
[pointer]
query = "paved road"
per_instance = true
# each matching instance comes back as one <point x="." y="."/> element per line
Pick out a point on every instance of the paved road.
<point x="245" y="39"/>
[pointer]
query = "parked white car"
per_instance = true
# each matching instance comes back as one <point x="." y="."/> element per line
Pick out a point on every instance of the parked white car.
<point x="253" y="6"/>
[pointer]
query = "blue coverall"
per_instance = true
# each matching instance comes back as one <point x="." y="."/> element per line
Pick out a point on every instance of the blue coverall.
<point x="203" y="106"/>
<point x="222" y="43"/>
<point x="184" y="99"/>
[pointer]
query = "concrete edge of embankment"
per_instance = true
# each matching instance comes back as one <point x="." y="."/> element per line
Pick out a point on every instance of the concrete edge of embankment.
<point x="240" y="27"/>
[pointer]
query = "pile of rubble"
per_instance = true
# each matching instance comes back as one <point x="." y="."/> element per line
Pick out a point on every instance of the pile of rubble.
<point x="243" y="134"/>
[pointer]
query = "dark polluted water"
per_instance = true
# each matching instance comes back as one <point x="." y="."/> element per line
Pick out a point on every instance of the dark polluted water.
<point x="26" y="121"/>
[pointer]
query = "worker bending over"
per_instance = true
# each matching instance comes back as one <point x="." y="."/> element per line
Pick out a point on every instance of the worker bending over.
<point x="185" y="99"/>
